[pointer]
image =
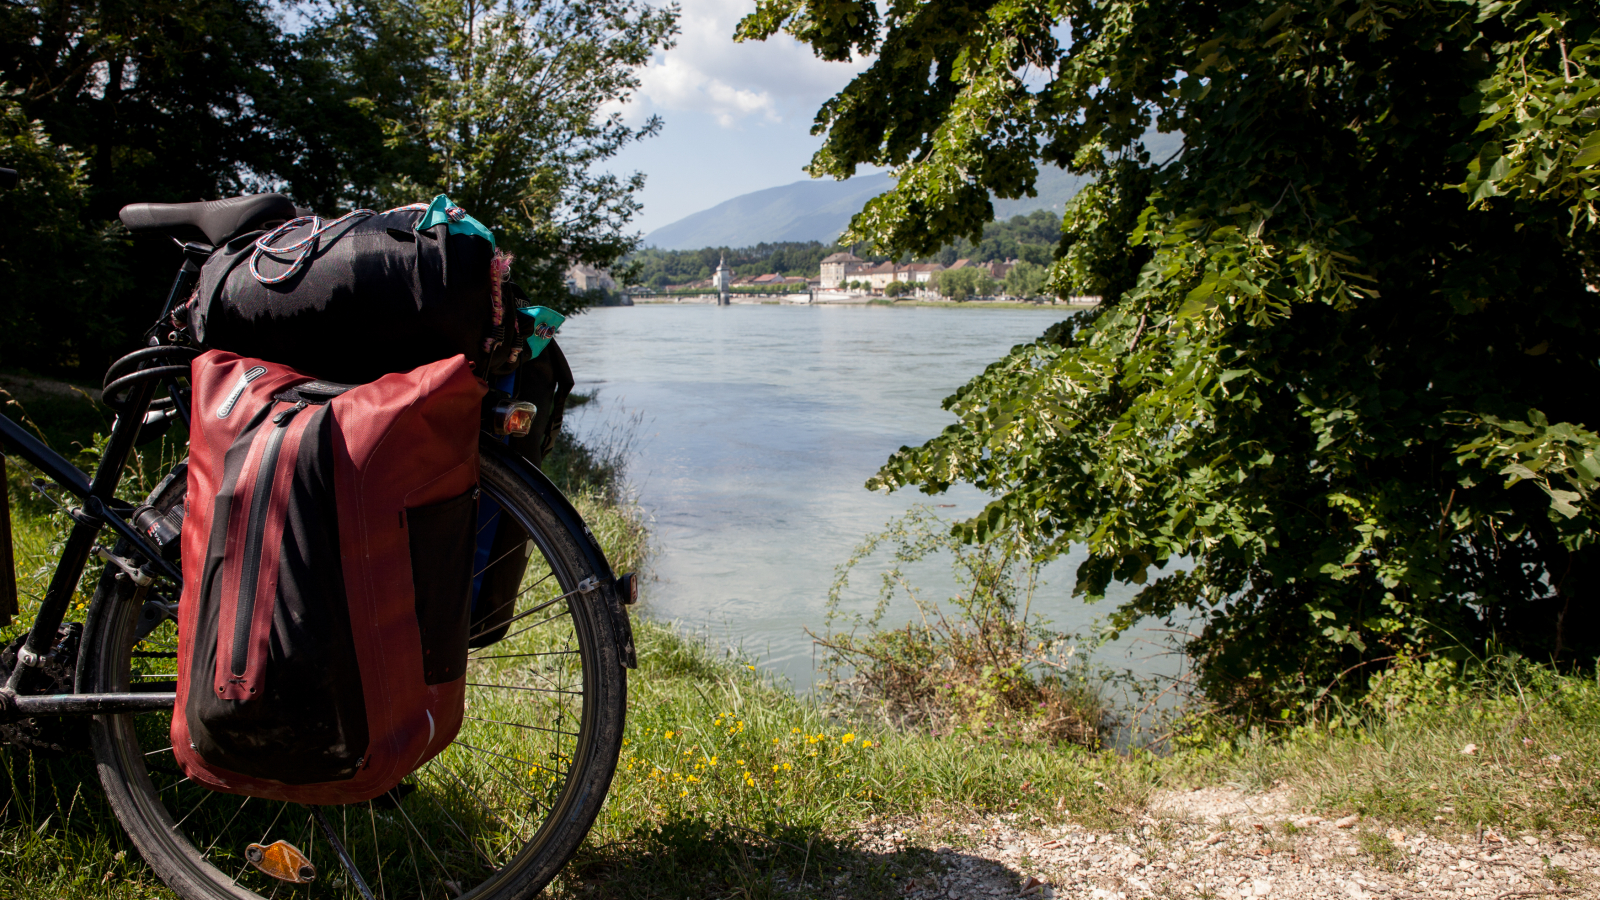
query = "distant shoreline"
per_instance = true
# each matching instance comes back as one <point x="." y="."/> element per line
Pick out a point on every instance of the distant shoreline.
<point x="785" y="300"/>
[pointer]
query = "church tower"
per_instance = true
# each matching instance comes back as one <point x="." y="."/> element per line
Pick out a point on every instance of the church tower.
<point x="721" y="279"/>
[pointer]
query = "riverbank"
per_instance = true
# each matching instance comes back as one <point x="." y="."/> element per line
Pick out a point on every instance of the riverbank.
<point x="732" y="785"/>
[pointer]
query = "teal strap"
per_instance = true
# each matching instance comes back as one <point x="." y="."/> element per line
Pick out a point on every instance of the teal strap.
<point x="440" y="210"/>
<point x="545" y="323"/>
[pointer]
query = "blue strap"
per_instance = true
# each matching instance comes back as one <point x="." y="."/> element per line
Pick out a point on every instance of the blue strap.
<point x="546" y="322"/>
<point x="442" y="210"/>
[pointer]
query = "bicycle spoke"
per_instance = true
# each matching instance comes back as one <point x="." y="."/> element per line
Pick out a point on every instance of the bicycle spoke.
<point x="425" y="844"/>
<point x="377" y="848"/>
<point x="522" y="725"/>
<point x="224" y="830"/>
<point x="470" y="842"/>
<point x="513" y="778"/>
<point x="565" y="612"/>
<point x="511" y="759"/>
<point x="514" y="687"/>
<point x="523" y="655"/>
<point x="496" y="562"/>
<point x="487" y="808"/>
<point x="522" y="615"/>
<point x="191" y="812"/>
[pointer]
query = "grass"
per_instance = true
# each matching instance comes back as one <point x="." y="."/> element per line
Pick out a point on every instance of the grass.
<point x="1516" y="750"/>
<point x="732" y="785"/>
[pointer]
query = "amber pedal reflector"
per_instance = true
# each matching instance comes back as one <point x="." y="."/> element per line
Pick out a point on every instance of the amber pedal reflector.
<point x="283" y="861"/>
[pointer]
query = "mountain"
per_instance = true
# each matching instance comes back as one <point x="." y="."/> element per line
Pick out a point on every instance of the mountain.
<point x="819" y="211"/>
<point x="803" y="211"/>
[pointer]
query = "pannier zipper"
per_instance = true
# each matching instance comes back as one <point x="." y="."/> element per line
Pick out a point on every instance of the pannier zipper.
<point x="266" y="471"/>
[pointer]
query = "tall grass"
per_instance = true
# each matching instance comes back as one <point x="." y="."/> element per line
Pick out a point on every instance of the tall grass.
<point x="1497" y="743"/>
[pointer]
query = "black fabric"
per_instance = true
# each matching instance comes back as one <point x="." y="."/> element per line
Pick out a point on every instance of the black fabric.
<point x="442" y="545"/>
<point x="373" y="297"/>
<point x="310" y="724"/>
<point x="497" y="590"/>
<point x="545" y="382"/>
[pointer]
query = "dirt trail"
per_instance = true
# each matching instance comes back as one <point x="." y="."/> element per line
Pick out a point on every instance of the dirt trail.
<point x="1223" y="844"/>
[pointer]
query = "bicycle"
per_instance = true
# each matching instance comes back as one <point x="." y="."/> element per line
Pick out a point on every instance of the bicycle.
<point x="496" y="815"/>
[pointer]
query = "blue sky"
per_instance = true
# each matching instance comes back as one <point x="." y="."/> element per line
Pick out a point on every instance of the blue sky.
<point x="737" y="116"/>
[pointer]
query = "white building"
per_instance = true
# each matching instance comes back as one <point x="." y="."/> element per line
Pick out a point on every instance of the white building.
<point x="583" y="278"/>
<point x="841" y="268"/>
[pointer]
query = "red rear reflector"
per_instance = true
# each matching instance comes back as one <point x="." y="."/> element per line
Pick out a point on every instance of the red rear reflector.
<point x="514" y="417"/>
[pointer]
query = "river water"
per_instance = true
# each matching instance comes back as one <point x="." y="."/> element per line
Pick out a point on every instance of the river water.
<point x="753" y="430"/>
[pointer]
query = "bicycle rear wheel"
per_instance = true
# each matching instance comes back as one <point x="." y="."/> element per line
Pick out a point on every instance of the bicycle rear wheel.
<point x="496" y="815"/>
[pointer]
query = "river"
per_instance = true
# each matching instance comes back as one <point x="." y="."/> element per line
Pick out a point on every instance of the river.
<point x="753" y="429"/>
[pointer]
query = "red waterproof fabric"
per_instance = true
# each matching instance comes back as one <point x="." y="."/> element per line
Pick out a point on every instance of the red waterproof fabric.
<point x="404" y="442"/>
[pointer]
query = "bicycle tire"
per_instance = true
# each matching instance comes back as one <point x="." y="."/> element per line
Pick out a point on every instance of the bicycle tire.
<point x="194" y="855"/>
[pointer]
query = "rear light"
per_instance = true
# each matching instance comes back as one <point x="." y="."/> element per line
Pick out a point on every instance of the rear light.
<point x="513" y="417"/>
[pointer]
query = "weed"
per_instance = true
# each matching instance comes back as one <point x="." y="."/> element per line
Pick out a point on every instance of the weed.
<point x="1381" y="851"/>
<point x="1556" y="874"/>
<point x="979" y="665"/>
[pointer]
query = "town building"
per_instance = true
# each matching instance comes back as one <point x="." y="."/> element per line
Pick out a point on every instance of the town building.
<point x="583" y="278"/>
<point x="840" y="268"/>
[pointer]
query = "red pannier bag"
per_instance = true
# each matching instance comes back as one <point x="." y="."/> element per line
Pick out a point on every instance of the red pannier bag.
<point x="327" y="570"/>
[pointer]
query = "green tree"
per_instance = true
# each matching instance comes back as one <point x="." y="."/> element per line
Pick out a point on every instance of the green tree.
<point x="965" y="283"/>
<point x="1335" y="328"/>
<point x="506" y="101"/>
<point x="62" y="276"/>
<point x="164" y="101"/>
<point x="899" y="289"/>
<point x="1026" y="279"/>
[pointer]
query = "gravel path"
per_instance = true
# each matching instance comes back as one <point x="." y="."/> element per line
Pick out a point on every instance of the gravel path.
<point x="1217" y="843"/>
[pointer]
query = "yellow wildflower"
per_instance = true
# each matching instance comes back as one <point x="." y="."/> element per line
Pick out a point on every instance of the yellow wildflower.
<point x="849" y="736"/>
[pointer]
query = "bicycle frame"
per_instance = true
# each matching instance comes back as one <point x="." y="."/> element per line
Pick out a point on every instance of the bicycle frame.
<point x="99" y="509"/>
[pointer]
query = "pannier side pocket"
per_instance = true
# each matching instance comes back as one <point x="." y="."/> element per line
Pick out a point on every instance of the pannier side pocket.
<point x="442" y="543"/>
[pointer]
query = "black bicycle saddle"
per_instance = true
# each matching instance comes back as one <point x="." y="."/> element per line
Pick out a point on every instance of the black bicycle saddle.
<point x="218" y="220"/>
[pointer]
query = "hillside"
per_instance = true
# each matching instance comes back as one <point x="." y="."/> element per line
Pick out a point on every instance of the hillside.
<point x="819" y="211"/>
<point x="803" y="211"/>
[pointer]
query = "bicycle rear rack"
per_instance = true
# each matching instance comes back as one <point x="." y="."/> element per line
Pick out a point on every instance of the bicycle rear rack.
<point x="15" y="707"/>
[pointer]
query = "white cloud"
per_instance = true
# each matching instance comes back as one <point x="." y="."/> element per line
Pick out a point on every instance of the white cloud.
<point x="776" y="80"/>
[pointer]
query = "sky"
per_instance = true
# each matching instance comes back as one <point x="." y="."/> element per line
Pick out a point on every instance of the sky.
<point x="737" y="116"/>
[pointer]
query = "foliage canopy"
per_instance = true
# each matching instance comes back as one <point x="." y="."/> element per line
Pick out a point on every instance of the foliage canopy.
<point x="1337" y="325"/>
<point x="370" y="102"/>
